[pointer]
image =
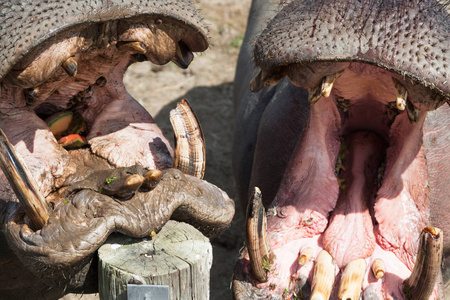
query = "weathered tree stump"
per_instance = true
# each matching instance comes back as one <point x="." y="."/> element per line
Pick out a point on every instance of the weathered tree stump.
<point x="179" y="256"/>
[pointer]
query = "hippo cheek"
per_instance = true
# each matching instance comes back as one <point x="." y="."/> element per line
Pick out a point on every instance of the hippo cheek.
<point x="66" y="112"/>
<point x="342" y="155"/>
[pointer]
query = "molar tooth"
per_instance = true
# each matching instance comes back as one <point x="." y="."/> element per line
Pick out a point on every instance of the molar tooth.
<point x="23" y="184"/>
<point x="135" y="47"/>
<point x="401" y="93"/>
<point x="324" y="273"/>
<point x="189" y="156"/>
<point x="183" y="56"/>
<point x="378" y="268"/>
<point x="351" y="280"/>
<point x="328" y="82"/>
<point x="265" y="79"/>
<point x="423" y="278"/>
<point x="259" y="250"/>
<point x="305" y="256"/>
<point x="70" y="66"/>
<point x="413" y="112"/>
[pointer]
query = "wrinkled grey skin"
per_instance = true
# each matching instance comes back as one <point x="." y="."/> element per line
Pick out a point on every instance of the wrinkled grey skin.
<point x="275" y="117"/>
<point x="60" y="258"/>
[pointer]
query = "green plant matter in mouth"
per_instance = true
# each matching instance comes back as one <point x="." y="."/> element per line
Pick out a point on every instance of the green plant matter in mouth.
<point x="110" y="179"/>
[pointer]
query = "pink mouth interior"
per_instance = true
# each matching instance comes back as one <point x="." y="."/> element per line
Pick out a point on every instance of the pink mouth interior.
<point x="355" y="186"/>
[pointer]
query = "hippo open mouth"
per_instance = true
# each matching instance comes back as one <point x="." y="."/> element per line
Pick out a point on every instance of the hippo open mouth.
<point x="99" y="159"/>
<point x="345" y="183"/>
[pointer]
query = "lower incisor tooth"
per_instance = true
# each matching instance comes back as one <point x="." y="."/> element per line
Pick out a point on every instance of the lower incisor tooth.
<point x="378" y="268"/>
<point x="324" y="273"/>
<point x="305" y="256"/>
<point x="351" y="280"/>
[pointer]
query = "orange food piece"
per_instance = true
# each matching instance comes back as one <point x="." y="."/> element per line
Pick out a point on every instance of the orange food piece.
<point x="73" y="141"/>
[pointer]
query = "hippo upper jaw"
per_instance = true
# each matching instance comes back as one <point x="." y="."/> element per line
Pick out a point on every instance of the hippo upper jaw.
<point x="67" y="80"/>
<point x="347" y="173"/>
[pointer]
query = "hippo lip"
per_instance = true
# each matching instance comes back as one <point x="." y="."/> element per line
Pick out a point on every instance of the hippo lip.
<point x="79" y="69"/>
<point x="406" y="41"/>
<point x="363" y="141"/>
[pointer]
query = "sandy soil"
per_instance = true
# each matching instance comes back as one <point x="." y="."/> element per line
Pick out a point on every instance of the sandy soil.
<point x="207" y="84"/>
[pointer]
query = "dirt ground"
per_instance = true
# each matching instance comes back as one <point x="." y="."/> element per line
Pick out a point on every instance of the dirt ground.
<point x="208" y="85"/>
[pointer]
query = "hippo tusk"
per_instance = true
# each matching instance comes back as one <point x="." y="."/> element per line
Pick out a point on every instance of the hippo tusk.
<point x="23" y="184"/>
<point x="352" y="279"/>
<point x="324" y="273"/>
<point x="183" y="56"/>
<point x="423" y="278"/>
<point x="189" y="155"/>
<point x="259" y="250"/>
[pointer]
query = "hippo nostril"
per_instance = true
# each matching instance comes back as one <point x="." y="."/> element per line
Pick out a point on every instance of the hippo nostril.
<point x="101" y="81"/>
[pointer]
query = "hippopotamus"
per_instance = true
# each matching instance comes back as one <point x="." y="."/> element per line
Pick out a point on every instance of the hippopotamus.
<point x="341" y="152"/>
<point x="80" y="158"/>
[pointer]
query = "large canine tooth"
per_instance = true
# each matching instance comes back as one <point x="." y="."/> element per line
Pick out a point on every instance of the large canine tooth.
<point x="265" y="79"/>
<point x="305" y="256"/>
<point x="423" y="278"/>
<point x="401" y="93"/>
<point x="23" y="184"/>
<point x="70" y="66"/>
<point x="135" y="47"/>
<point x="328" y="82"/>
<point x="413" y="112"/>
<point x="378" y="268"/>
<point x="324" y="273"/>
<point x="259" y="250"/>
<point x="189" y="142"/>
<point x="351" y="280"/>
<point x="183" y="56"/>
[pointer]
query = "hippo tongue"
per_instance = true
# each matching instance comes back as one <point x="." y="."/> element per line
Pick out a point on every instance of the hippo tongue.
<point x="350" y="235"/>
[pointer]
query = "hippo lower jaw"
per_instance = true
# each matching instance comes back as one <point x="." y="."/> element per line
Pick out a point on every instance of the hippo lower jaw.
<point x="356" y="186"/>
<point x="80" y="71"/>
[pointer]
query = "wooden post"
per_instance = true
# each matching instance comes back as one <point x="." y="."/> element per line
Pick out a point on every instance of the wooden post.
<point x="178" y="256"/>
